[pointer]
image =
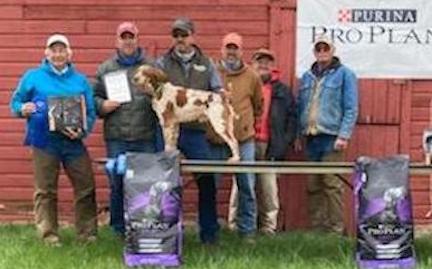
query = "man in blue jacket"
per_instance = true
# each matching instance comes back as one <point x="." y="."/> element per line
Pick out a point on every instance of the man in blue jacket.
<point x="56" y="78"/>
<point x="327" y="106"/>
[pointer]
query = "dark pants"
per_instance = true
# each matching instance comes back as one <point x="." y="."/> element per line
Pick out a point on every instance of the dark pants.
<point x="324" y="191"/>
<point x="115" y="148"/>
<point x="80" y="173"/>
<point x="193" y="144"/>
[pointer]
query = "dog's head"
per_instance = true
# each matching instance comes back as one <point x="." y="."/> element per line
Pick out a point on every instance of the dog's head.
<point x="149" y="79"/>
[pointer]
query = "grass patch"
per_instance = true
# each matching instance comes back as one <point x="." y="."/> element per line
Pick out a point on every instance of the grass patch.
<point x="21" y="249"/>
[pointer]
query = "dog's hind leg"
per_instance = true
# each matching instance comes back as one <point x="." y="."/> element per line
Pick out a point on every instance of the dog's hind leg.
<point x="225" y="129"/>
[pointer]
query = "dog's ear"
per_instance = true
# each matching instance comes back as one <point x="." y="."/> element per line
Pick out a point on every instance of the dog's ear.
<point x="155" y="75"/>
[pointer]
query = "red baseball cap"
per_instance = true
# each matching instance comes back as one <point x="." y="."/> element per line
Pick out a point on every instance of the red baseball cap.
<point x="232" y="38"/>
<point x="127" y="27"/>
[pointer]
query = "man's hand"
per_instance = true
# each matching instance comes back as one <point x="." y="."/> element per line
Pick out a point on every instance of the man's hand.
<point x="72" y="134"/>
<point x="27" y="109"/>
<point x="298" y="145"/>
<point x="109" y="106"/>
<point x="341" y="144"/>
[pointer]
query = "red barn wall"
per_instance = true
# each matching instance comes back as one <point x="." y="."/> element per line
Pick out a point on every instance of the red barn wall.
<point x="90" y="26"/>
<point x="393" y="113"/>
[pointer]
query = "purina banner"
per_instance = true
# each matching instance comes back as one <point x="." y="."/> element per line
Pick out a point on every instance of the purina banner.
<point x="375" y="38"/>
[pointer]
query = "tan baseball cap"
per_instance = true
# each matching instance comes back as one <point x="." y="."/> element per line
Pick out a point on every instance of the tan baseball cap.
<point x="323" y="39"/>
<point x="263" y="52"/>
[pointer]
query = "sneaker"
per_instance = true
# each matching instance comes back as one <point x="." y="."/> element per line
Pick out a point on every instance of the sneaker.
<point x="52" y="241"/>
<point x="87" y="239"/>
<point x="267" y="232"/>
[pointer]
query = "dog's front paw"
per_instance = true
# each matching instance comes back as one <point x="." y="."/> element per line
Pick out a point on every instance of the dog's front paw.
<point x="169" y="148"/>
<point x="234" y="159"/>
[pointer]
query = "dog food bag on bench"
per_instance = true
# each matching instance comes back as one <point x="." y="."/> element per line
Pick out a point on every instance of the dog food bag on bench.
<point x="153" y="214"/>
<point x="384" y="213"/>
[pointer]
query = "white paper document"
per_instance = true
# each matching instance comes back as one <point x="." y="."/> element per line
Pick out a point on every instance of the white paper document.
<point x="117" y="86"/>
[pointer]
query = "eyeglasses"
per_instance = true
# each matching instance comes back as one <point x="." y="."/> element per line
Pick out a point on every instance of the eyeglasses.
<point x="322" y="47"/>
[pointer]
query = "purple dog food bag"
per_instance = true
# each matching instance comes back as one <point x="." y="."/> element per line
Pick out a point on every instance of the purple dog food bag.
<point x="153" y="213"/>
<point x="385" y="234"/>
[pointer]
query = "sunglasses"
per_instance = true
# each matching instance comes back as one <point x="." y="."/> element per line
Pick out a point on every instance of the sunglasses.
<point x="180" y="34"/>
<point x="127" y="35"/>
<point x="322" y="47"/>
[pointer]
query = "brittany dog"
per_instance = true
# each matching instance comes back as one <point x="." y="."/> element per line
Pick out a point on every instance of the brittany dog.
<point x="174" y="105"/>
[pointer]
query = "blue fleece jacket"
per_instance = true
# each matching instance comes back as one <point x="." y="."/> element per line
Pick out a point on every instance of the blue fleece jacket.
<point x="37" y="85"/>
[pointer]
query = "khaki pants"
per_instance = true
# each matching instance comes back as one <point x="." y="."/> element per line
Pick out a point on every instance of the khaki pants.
<point x="325" y="199"/>
<point x="267" y="197"/>
<point x="79" y="170"/>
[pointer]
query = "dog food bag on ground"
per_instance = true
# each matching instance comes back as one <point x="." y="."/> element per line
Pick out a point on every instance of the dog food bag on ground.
<point x="384" y="213"/>
<point x="153" y="214"/>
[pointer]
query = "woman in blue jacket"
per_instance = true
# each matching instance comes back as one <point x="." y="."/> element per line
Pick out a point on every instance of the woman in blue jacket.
<point x="56" y="80"/>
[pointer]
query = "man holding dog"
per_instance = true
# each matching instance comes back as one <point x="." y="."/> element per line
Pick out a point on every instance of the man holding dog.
<point x="129" y="125"/>
<point x="327" y="109"/>
<point x="187" y="66"/>
<point x="244" y="87"/>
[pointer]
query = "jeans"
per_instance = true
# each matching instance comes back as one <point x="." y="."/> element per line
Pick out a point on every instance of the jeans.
<point x="194" y="145"/>
<point x="247" y="209"/>
<point x="114" y="148"/>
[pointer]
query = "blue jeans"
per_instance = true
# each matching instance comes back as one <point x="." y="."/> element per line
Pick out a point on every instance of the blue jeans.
<point x="247" y="208"/>
<point x="317" y="147"/>
<point x="114" y="148"/>
<point x="194" y="145"/>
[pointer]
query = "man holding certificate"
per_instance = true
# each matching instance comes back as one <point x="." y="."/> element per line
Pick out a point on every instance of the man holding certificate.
<point x="129" y="121"/>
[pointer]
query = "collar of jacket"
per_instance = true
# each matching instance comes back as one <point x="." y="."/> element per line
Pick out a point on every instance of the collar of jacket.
<point x="272" y="78"/>
<point x="48" y="67"/>
<point x="335" y="64"/>
<point x="136" y="58"/>
<point x="198" y="54"/>
<point x="224" y="70"/>
<point x="275" y="75"/>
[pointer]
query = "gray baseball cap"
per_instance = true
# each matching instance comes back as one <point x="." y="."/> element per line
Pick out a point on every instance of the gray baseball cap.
<point x="184" y="24"/>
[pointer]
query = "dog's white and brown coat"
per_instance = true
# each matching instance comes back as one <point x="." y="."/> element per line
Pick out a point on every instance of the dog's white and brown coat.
<point x="174" y="105"/>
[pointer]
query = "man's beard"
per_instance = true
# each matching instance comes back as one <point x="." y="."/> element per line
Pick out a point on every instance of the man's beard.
<point x="233" y="64"/>
<point x="265" y="77"/>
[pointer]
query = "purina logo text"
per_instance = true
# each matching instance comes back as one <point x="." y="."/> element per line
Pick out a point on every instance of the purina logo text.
<point x="377" y="16"/>
<point x="371" y="26"/>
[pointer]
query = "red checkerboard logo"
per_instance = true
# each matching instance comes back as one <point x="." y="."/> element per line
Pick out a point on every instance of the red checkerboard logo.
<point x="344" y="15"/>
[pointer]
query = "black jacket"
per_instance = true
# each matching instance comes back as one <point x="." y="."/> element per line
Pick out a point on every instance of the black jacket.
<point x="282" y="120"/>
<point x="131" y="121"/>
